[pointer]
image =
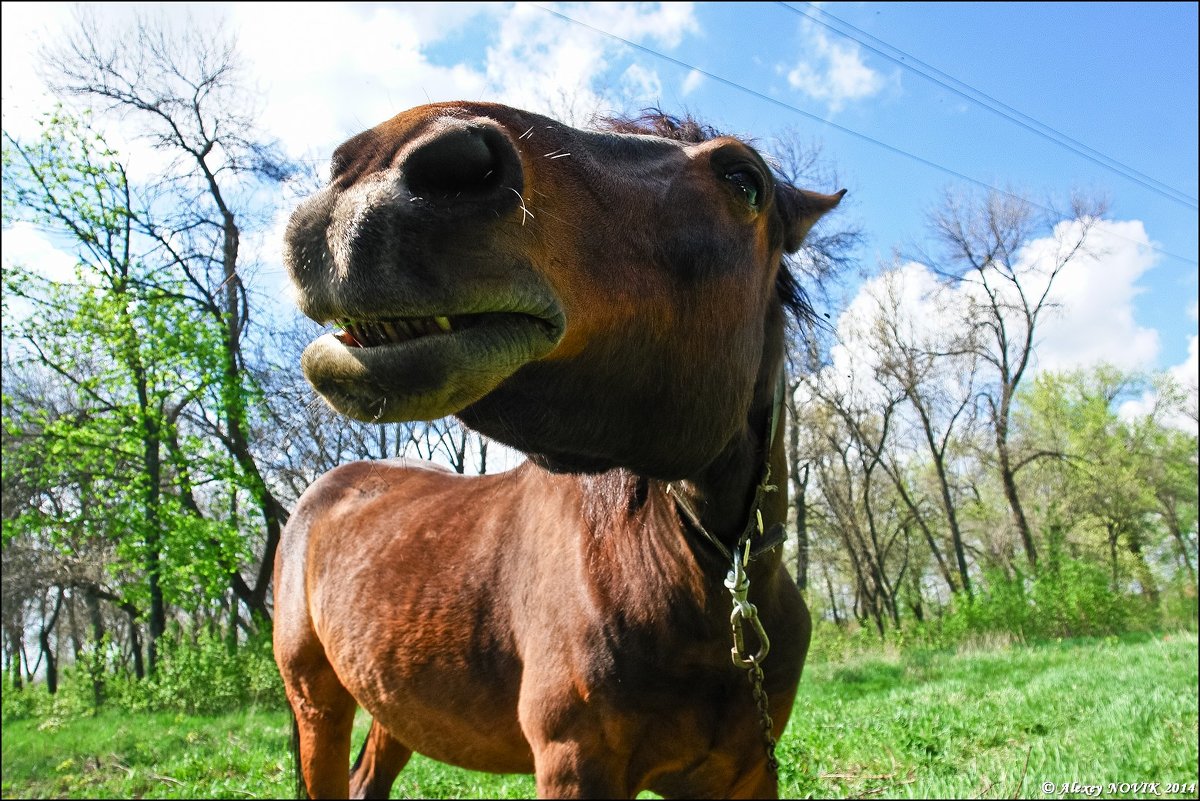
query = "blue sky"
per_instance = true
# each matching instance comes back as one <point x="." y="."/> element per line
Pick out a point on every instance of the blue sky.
<point x="1119" y="77"/>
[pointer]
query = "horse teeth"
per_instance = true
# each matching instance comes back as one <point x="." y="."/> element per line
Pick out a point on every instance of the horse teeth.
<point x="400" y="329"/>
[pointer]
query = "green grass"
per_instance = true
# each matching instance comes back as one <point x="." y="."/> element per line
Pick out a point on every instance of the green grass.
<point x="156" y="755"/>
<point x="998" y="723"/>
<point x="993" y="723"/>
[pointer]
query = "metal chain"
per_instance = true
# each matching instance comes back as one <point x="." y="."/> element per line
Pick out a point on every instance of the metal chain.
<point x="738" y="584"/>
<point x="755" y="675"/>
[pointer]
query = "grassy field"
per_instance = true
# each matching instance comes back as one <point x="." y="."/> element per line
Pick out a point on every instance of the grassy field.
<point x="995" y="723"/>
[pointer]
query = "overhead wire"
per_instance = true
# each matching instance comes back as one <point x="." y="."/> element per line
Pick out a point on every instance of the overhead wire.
<point x="998" y="107"/>
<point x="830" y="123"/>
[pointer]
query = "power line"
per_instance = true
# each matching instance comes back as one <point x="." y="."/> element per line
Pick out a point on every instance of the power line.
<point x="998" y="107"/>
<point x="771" y="100"/>
<point x="849" y="131"/>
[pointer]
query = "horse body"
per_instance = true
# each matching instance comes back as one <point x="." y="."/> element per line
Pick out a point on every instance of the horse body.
<point x="455" y="666"/>
<point x="562" y="618"/>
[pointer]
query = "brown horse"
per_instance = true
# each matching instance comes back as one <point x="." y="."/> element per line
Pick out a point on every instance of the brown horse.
<point x="612" y="303"/>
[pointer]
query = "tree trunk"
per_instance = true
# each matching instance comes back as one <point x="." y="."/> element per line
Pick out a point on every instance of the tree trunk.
<point x="97" y="657"/>
<point x="918" y="608"/>
<point x="135" y="645"/>
<point x="960" y="552"/>
<point x="801" y="483"/>
<point x="943" y="568"/>
<point x="47" y="650"/>
<point x="939" y="463"/>
<point x="273" y="512"/>
<point x="956" y="539"/>
<point x="231" y="635"/>
<point x="154" y="544"/>
<point x="1112" y="556"/>
<point x="1145" y="574"/>
<point x="1172" y="519"/>
<point x="51" y="663"/>
<point x="15" y="637"/>
<point x="1008" y="479"/>
<point x="833" y="604"/>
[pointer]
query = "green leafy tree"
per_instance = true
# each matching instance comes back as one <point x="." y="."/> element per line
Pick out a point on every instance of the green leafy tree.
<point x="1119" y="490"/>
<point x="132" y="354"/>
<point x="182" y="89"/>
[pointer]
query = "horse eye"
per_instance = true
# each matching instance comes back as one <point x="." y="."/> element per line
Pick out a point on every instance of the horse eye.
<point x="747" y="182"/>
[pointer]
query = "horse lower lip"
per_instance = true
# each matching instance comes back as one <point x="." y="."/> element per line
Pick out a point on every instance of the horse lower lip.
<point x="427" y="376"/>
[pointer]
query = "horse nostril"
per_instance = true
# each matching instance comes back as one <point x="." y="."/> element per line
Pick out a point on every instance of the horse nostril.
<point x="473" y="161"/>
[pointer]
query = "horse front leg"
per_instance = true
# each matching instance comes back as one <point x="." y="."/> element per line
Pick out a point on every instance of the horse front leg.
<point x="579" y="769"/>
<point x="761" y="782"/>
<point x="379" y="763"/>
<point x="573" y="744"/>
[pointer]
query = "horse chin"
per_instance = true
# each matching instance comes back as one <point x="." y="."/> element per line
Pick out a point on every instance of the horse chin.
<point x="558" y="463"/>
<point x="425" y="378"/>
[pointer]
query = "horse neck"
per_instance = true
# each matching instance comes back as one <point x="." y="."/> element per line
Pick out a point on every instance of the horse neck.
<point x="722" y="493"/>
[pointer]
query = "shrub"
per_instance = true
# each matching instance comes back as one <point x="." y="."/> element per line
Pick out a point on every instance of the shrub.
<point x="196" y="674"/>
<point x="17" y="703"/>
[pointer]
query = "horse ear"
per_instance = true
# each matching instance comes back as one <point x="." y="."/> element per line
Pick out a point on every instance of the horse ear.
<point x="800" y="210"/>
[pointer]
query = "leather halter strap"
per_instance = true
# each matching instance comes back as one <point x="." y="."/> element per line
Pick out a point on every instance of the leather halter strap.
<point x="751" y="545"/>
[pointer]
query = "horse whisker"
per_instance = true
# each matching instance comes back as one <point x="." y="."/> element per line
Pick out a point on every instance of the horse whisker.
<point x="524" y="210"/>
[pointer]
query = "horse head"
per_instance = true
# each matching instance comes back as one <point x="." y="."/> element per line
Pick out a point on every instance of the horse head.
<point x="592" y="298"/>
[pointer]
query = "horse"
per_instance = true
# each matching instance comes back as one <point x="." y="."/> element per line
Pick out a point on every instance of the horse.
<point x="613" y="303"/>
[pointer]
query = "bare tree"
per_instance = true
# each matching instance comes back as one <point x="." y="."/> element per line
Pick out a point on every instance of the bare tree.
<point x="933" y="368"/>
<point x="984" y="250"/>
<point x="840" y="439"/>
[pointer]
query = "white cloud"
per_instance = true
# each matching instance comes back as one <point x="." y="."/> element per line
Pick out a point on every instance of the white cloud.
<point x="1185" y="373"/>
<point x="543" y="63"/>
<point x="1180" y="415"/>
<point x="539" y="62"/>
<point x="1096" y="290"/>
<point x="328" y="71"/>
<point x="25" y="245"/>
<point x="924" y="313"/>
<point x="320" y="89"/>
<point x="28" y="27"/>
<point x="691" y="83"/>
<point x="834" y="72"/>
<point x="1093" y="324"/>
<point x="23" y="28"/>
<point x="28" y="247"/>
<point x="641" y="86"/>
<point x="664" y="23"/>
